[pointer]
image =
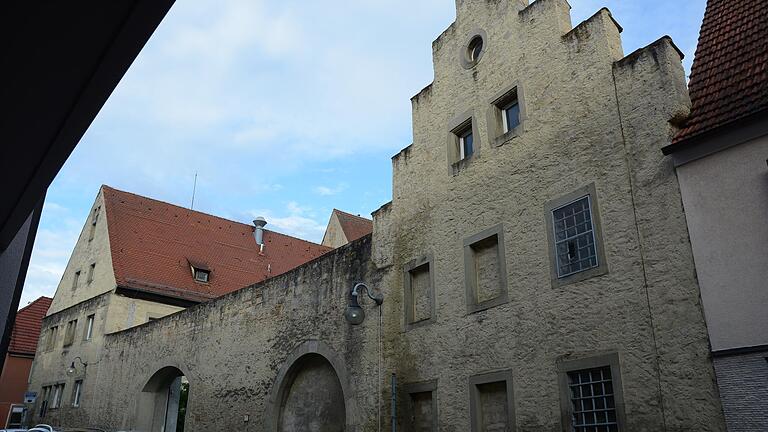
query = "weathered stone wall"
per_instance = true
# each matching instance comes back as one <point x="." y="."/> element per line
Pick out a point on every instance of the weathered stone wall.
<point x="590" y="118"/>
<point x="742" y="379"/>
<point x="232" y="349"/>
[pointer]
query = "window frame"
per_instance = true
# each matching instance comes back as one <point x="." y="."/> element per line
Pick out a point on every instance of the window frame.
<point x="421" y="387"/>
<point x="94" y="221"/>
<point x="76" y="279"/>
<point x="91" y="271"/>
<point x="52" y="335"/>
<point x="207" y="273"/>
<point x="470" y="273"/>
<point x="408" y="303"/>
<point x="458" y="127"/>
<point x="498" y="132"/>
<point x="90" y="322"/>
<point x="58" y="392"/>
<point x="69" y="332"/>
<point x="77" y="393"/>
<point x="475" y="410"/>
<point x="602" y="259"/>
<point x="605" y="360"/>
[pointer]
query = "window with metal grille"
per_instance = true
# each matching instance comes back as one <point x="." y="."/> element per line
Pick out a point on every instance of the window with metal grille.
<point x="592" y="399"/>
<point x="202" y="275"/>
<point x="574" y="237"/>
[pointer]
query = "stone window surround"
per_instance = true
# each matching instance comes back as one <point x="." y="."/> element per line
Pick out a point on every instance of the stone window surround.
<point x="469" y="274"/>
<point x="423" y="387"/>
<point x="474" y="397"/>
<point x="602" y="262"/>
<point x="496" y="133"/>
<point x="612" y="360"/>
<point x="90" y="321"/>
<point x="457" y="124"/>
<point x="408" y="293"/>
<point x="464" y="59"/>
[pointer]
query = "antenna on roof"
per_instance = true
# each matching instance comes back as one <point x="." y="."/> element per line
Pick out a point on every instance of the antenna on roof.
<point x="194" y="187"/>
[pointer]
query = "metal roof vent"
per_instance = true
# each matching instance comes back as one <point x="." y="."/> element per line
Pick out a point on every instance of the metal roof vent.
<point x="258" y="232"/>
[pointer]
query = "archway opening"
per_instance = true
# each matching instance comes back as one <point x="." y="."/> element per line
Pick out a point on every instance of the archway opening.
<point x="162" y="403"/>
<point x="312" y="399"/>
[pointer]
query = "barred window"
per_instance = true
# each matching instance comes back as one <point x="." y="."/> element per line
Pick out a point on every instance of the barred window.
<point x="592" y="399"/>
<point x="574" y="237"/>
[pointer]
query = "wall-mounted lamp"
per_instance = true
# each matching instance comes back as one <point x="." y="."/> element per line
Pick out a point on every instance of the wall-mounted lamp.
<point x="354" y="313"/>
<point x="72" y="369"/>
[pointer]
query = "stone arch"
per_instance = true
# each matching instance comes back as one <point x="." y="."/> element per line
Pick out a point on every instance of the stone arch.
<point x="312" y="359"/>
<point x="158" y="400"/>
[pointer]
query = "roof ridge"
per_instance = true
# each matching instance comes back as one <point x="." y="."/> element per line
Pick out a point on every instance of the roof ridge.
<point x="350" y="214"/>
<point x="33" y="303"/>
<point x="119" y="191"/>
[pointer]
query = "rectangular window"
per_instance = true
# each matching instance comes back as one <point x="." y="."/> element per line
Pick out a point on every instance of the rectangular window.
<point x="510" y="115"/>
<point x="574" y="237"/>
<point x="58" y="390"/>
<point x="422" y="407"/>
<point x="16" y="416"/>
<point x="419" y="292"/>
<point x="75" y="280"/>
<point x="44" y="400"/>
<point x="69" y="335"/>
<point x="91" y="269"/>
<point x="591" y="396"/>
<point x="89" y="327"/>
<point x="485" y="274"/>
<point x="76" y="393"/>
<point x="202" y="275"/>
<point x="52" y="333"/>
<point x="575" y="242"/>
<point x="491" y="402"/>
<point x="466" y="141"/>
<point x="94" y="219"/>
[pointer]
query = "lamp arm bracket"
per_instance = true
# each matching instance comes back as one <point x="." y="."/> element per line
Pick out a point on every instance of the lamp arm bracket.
<point x="378" y="298"/>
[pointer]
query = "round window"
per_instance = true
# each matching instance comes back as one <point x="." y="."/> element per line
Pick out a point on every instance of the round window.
<point x="475" y="49"/>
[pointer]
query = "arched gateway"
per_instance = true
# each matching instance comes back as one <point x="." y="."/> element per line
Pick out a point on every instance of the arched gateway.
<point x="311" y="392"/>
<point x="162" y="403"/>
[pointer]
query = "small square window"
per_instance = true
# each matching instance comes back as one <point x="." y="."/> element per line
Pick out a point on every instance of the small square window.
<point x="591" y="397"/>
<point x="575" y="243"/>
<point x="492" y="406"/>
<point x="421" y="414"/>
<point x="202" y="275"/>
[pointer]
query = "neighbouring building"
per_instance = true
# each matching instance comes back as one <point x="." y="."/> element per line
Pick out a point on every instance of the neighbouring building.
<point x="721" y="157"/>
<point x="534" y="263"/>
<point x="137" y="260"/>
<point x="18" y="361"/>
<point x="344" y="228"/>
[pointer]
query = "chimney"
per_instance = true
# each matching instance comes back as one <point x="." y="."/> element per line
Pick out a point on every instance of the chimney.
<point x="258" y="232"/>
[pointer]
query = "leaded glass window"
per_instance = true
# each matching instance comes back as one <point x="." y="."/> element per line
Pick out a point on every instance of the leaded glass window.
<point x="574" y="237"/>
<point x="592" y="400"/>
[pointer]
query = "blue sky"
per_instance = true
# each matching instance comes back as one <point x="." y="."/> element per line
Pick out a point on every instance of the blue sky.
<point x="284" y="108"/>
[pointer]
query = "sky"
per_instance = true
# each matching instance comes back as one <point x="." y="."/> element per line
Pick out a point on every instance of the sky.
<point x="283" y="108"/>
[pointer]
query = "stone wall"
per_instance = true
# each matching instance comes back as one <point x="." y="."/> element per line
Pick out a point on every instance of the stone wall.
<point x="502" y="331"/>
<point x="742" y="380"/>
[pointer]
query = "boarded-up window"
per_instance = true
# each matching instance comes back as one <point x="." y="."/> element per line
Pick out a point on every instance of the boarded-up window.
<point x="69" y="335"/>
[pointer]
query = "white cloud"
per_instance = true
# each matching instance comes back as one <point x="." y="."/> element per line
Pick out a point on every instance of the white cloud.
<point x="295" y="220"/>
<point x="328" y="191"/>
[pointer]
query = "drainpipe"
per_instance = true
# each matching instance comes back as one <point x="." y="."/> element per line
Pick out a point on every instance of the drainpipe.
<point x="394" y="403"/>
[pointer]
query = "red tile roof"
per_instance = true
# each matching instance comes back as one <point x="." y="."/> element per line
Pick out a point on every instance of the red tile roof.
<point x="154" y="244"/>
<point x="729" y="77"/>
<point x="26" y="328"/>
<point x="353" y="226"/>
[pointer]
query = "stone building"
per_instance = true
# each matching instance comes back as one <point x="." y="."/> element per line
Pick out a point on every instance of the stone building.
<point x="720" y="157"/>
<point x="138" y="260"/>
<point x="534" y="264"/>
<point x="344" y="228"/>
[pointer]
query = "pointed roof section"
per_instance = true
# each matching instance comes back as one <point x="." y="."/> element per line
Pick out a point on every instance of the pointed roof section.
<point x="26" y="328"/>
<point x="155" y="247"/>
<point x="353" y="226"/>
<point x="729" y="77"/>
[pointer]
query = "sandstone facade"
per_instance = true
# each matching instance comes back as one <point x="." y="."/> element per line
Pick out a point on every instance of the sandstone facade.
<point x="486" y="336"/>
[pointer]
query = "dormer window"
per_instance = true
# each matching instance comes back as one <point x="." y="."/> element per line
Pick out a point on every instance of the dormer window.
<point x="201" y="275"/>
